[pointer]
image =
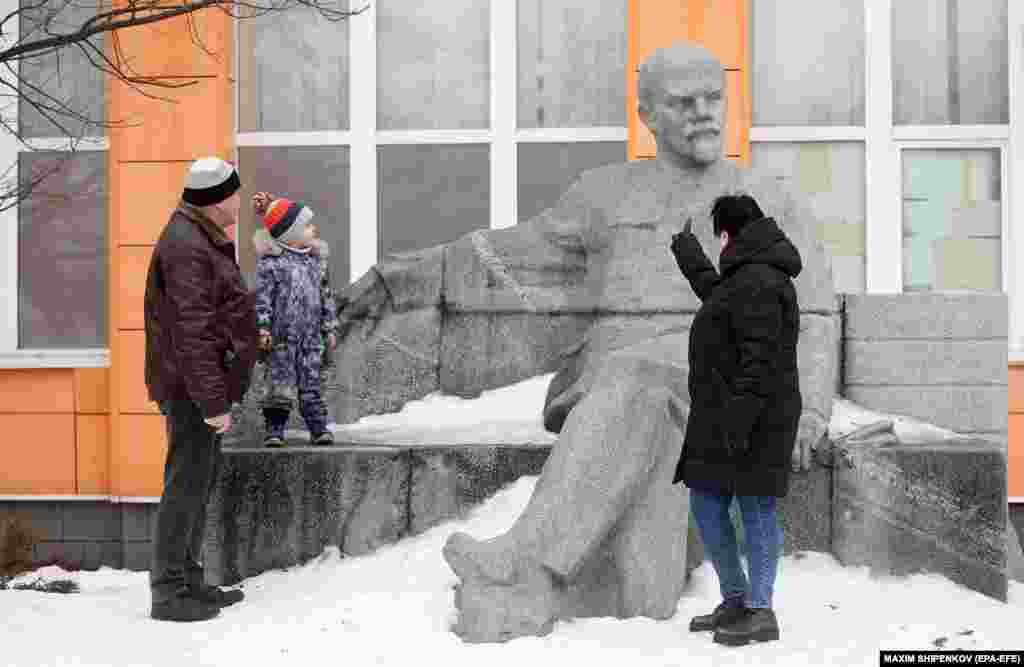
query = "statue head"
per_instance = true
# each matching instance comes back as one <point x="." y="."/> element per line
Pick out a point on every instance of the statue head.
<point x="681" y="100"/>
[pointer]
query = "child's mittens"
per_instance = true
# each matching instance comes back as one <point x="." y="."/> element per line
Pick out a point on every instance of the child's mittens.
<point x="261" y="202"/>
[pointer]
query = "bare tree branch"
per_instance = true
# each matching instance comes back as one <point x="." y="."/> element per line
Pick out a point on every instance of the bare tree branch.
<point x="66" y="35"/>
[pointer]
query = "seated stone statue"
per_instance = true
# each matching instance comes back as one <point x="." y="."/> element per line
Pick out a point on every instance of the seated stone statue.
<point x="605" y="531"/>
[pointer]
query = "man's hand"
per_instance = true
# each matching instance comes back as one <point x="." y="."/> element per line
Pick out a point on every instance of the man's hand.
<point x="365" y="298"/>
<point x="332" y="341"/>
<point x="810" y="433"/>
<point x="221" y="424"/>
<point x="266" y="343"/>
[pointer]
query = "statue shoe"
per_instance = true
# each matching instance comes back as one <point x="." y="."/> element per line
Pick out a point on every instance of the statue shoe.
<point x="756" y="625"/>
<point x="219" y="597"/>
<point x="729" y="611"/>
<point x="183" y="608"/>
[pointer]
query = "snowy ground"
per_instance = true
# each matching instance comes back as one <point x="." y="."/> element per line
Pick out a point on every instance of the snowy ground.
<point x="394" y="607"/>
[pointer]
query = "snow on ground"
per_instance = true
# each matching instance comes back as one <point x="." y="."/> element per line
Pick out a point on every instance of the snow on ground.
<point x="393" y="608"/>
<point x="512" y="415"/>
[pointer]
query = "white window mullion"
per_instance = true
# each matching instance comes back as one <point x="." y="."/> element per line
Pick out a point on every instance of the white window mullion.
<point x="363" y="184"/>
<point x="504" y="82"/>
<point x="1013" y="187"/>
<point x="883" y="238"/>
<point x="9" y="218"/>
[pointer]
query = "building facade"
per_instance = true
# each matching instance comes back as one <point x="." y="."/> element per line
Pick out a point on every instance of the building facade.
<point x="413" y="123"/>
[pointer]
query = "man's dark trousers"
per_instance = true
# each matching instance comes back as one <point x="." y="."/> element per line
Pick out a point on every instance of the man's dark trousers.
<point x="192" y="467"/>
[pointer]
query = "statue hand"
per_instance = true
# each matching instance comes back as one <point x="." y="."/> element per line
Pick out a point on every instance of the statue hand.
<point x="366" y="298"/>
<point x="810" y="433"/>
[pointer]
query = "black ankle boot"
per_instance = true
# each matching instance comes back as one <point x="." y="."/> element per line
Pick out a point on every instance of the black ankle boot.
<point x="727" y="612"/>
<point x="756" y="625"/>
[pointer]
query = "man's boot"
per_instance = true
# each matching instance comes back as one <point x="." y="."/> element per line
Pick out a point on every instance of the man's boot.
<point x="729" y="611"/>
<point x="183" y="607"/>
<point x="757" y="625"/>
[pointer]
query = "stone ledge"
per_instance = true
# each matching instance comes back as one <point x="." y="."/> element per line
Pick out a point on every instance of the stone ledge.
<point x="934" y="508"/>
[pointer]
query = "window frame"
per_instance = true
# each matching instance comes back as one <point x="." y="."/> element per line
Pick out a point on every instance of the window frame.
<point x="362" y="138"/>
<point x="12" y="356"/>
<point x="884" y="143"/>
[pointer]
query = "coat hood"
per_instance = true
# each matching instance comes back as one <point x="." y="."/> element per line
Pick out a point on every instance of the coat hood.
<point x="266" y="245"/>
<point x="762" y="242"/>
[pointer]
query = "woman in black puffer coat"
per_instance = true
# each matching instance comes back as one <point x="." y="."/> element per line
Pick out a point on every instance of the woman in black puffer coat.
<point x="745" y="406"/>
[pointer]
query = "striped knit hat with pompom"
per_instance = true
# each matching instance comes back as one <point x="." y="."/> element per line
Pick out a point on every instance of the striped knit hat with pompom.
<point x="286" y="220"/>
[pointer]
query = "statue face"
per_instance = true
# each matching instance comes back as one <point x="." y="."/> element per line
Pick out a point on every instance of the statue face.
<point x="687" y="118"/>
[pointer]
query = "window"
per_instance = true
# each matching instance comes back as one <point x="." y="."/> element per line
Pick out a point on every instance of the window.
<point x="54" y="280"/>
<point x="809" y="117"/>
<point x="414" y="123"/>
<point x="952" y="220"/>
<point x="317" y="176"/>
<point x="808" y="62"/>
<point x="433" y="64"/>
<point x="950" y="62"/>
<point x="431" y="194"/>
<point x="293" y="72"/>
<point x="571" y="64"/>
<point x="831" y="178"/>
<point x="892" y="117"/>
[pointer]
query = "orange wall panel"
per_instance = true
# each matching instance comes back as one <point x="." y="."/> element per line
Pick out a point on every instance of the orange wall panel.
<point x="721" y="26"/>
<point x="155" y="189"/>
<point x="188" y="123"/>
<point x="1016" y="397"/>
<point x="37" y="390"/>
<point x="92" y="390"/>
<point x="93" y="454"/>
<point x="1015" y="456"/>
<point x="168" y="48"/>
<point x="139" y="462"/>
<point x="134" y="265"/>
<point x="133" y="397"/>
<point x="724" y="31"/>
<point x="33" y="464"/>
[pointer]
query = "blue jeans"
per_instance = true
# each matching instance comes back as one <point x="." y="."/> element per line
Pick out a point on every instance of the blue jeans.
<point x="763" y="542"/>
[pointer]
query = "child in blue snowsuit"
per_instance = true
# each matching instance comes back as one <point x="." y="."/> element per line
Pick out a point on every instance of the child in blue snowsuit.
<point x="295" y="311"/>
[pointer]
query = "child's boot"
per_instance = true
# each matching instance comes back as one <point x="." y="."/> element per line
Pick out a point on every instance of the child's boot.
<point x="275" y="420"/>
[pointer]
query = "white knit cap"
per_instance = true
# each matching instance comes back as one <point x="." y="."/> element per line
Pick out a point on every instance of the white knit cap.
<point x="210" y="180"/>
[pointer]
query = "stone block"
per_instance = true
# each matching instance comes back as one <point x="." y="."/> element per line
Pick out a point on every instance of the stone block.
<point x="1014" y="554"/>
<point x="818" y="365"/>
<point x="102" y="554"/>
<point x="68" y="555"/>
<point x="926" y="362"/>
<point x="806" y="512"/>
<point x="932" y="315"/>
<point x="274" y="509"/>
<point x="924" y="508"/>
<point x="961" y="409"/>
<point x="447" y="482"/>
<point x="47" y="518"/>
<point x="87" y="521"/>
<point x="481" y="351"/>
<point x="138" y="556"/>
<point x="137" y="521"/>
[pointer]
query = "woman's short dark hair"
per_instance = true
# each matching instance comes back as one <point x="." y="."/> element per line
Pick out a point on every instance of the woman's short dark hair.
<point x="731" y="213"/>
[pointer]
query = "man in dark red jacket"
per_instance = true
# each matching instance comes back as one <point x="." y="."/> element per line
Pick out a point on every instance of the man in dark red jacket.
<point x="201" y="339"/>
